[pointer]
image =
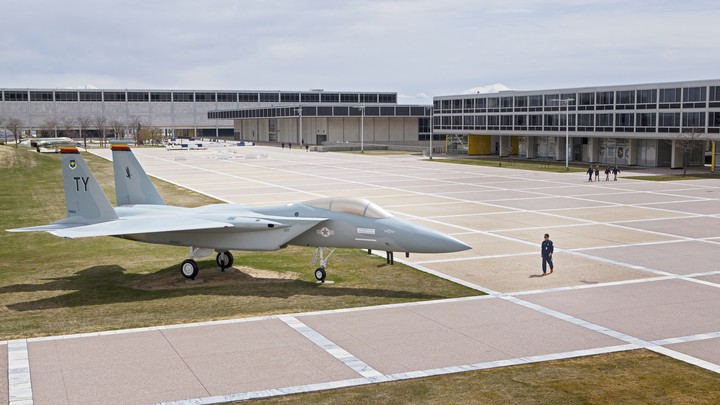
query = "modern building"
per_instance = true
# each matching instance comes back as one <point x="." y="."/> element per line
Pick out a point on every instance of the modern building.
<point x="326" y="116"/>
<point x="341" y="119"/>
<point x="627" y="125"/>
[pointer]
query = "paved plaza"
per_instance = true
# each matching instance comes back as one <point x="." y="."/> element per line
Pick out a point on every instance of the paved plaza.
<point x="636" y="266"/>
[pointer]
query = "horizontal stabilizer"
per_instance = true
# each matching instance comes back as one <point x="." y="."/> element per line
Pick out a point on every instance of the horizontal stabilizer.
<point x="46" y="228"/>
<point x="132" y="226"/>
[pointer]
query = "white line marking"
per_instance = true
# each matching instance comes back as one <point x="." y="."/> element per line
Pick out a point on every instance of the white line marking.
<point x="333" y="349"/>
<point x="686" y="339"/>
<point x="19" y="383"/>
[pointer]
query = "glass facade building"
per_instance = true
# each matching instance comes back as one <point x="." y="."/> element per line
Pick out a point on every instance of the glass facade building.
<point x="629" y="124"/>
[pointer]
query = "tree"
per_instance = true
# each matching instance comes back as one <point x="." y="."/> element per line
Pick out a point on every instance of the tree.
<point x="50" y="126"/>
<point x="687" y="141"/>
<point x="101" y="125"/>
<point x="118" y="128"/>
<point x="135" y="126"/>
<point x="149" y="135"/>
<point x="84" y="123"/>
<point x="67" y="125"/>
<point x="14" y="125"/>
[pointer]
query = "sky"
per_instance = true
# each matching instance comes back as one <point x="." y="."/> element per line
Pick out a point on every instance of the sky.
<point x="416" y="48"/>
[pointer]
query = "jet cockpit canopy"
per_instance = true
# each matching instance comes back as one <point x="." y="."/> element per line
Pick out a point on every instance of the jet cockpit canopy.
<point x="354" y="206"/>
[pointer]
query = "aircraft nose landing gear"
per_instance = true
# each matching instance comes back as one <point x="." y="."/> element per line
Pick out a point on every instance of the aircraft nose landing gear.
<point x="320" y="274"/>
<point x="320" y="255"/>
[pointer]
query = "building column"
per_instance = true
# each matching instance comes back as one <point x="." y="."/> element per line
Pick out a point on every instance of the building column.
<point x="559" y="142"/>
<point x="632" y="160"/>
<point x="594" y="149"/>
<point x="676" y="156"/>
<point x="529" y="147"/>
<point x="505" y="145"/>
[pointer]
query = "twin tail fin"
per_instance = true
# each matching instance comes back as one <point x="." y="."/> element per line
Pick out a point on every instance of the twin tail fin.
<point x="132" y="184"/>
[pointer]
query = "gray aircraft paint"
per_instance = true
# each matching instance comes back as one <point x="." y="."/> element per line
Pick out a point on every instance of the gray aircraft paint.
<point x="132" y="184"/>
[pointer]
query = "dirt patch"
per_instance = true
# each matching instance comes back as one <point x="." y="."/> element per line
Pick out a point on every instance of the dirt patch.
<point x="11" y="158"/>
<point x="212" y="278"/>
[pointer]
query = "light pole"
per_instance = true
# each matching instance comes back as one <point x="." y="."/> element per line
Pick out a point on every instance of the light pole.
<point x="362" y="128"/>
<point x="566" y="101"/>
<point x="430" y="113"/>
<point x="300" y="132"/>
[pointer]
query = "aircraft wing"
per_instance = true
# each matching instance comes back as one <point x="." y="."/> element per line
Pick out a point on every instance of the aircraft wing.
<point x="158" y="224"/>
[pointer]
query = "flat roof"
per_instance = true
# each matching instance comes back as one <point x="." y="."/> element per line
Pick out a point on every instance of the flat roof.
<point x="323" y="110"/>
<point x="690" y="83"/>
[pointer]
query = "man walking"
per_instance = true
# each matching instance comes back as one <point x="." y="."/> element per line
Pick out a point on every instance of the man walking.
<point x="546" y="251"/>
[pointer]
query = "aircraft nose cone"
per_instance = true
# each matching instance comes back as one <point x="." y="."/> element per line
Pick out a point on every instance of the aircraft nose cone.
<point x="427" y="240"/>
<point x="448" y="244"/>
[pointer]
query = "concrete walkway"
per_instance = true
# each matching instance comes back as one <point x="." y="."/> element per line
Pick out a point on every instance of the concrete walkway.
<point x="636" y="267"/>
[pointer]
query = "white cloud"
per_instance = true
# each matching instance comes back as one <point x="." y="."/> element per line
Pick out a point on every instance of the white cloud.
<point x="414" y="47"/>
<point x="491" y="88"/>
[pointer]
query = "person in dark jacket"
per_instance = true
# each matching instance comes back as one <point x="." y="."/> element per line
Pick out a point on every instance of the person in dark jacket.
<point x="615" y="171"/>
<point x="590" y="172"/>
<point x="546" y="251"/>
<point x="607" y="173"/>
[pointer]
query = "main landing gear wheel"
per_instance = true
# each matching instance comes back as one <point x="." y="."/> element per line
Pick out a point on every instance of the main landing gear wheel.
<point x="189" y="269"/>
<point x="224" y="260"/>
<point x="320" y="274"/>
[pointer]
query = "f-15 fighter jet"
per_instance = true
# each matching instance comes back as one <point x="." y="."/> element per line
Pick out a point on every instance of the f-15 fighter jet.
<point x="142" y="215"/>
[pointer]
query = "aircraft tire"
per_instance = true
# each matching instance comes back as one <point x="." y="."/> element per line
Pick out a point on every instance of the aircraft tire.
<point x="189" y="269"/>
<point x="224" y="260"/>
<point x="320" y="274"/>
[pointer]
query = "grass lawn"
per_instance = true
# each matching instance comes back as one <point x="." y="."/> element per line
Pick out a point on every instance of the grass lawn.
<point x="51" y="285"/>
<point x="676" y="177"/>
<point x="559" y="167"/>
<point x="379" y="152"/>
<point x="634" y="377"/>
<point x="538" y="165"/>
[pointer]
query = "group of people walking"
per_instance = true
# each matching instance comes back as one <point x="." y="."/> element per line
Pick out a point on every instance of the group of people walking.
<point x="596" y="171"/>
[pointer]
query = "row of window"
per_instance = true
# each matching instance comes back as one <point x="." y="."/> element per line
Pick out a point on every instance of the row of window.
<point x="319" y="111"/>
<point x="697" y="97"/>
<point x="198" y="97"/>
<point x="580" y="122"/>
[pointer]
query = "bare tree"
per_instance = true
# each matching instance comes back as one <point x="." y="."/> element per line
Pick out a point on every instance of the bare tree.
<point x="50" y="126"/>
<point x="101" y="125"/>
<point x="118" y="128"/>
<point x="14" y="125"/>
<point x="84" y="124"/>
<point x="135" y="126"/>
<point x="67" y="125"/>
<point x="687" y="141"/>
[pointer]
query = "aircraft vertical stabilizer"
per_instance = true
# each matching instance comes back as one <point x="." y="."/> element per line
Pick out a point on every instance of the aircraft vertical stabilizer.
<point x="85" y="201"/>
<point x="132" y="184"/>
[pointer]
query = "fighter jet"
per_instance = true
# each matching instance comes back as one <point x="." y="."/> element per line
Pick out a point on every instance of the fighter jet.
<point x="142" y="215"/>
